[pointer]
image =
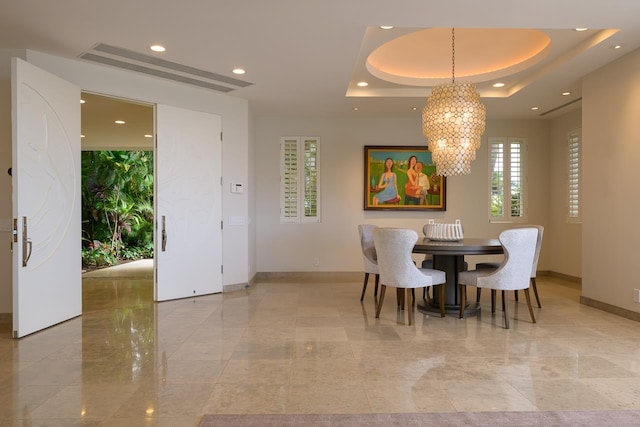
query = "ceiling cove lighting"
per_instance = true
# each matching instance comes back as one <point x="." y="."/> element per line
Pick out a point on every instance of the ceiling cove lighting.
<point x="453" y="122"/>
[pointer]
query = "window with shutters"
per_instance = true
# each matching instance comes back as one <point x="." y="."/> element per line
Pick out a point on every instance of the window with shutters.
<point x="507" y="179"/>
<point x="573" y="175"/>
<point x="299" y="179"/>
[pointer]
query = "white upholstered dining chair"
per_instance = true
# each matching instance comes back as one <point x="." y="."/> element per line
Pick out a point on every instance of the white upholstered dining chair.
<point x="397" y="269"/>
<point x="513" y="274"/>
<point x="534" y="268"/>
<point x="369" y="256"/>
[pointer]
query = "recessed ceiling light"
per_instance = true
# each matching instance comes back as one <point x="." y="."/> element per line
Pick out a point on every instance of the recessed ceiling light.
<point x="148" y="136"/>
<point x="581" y="29"/>
<point x="534" y="108"/>
<point x="119" y="122"/>
<point x="499" y="84"/>
<point x="355" y="108"/>
<point x="386" y="27"/>
<point x="414" y="108"/>
<point x="363" y="84"/>
<point x="618" y="46"/>
<point x="82" y="101"/>
<point x="157" y="48"/>
<point x="81" y="136"/>
<point x="238" y="71"/>
<point x="567" y="93"/>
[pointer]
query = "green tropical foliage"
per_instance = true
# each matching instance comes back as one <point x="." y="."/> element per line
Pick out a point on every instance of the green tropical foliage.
<point x="117" y="206"/>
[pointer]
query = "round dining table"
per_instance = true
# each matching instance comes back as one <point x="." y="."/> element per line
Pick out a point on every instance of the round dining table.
<point x="448" y="256"/>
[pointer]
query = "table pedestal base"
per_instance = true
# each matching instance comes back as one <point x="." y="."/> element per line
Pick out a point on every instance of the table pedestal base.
<point x="430" y="307"/>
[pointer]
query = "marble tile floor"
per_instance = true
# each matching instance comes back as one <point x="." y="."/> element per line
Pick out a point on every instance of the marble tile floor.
<point x="309" y="348"/>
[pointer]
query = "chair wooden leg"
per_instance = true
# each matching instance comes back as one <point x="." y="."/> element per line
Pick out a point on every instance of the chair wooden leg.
<point x="410" y="298"/>
<point x="535" y="291"/>
<point x="493" y="301"/>
<point x="463" y="293"/>
<point x="528" y="296"/>
<point x="375" y="292"/>
<point x="478" y="293"/>
<point x="441" y="299"/>
<point x="505" y="307"/>
<point x="382" y="290"/>
<point x="515" y="295"/>
<point x="400" y="298"/>
<point x="364" y="286"/>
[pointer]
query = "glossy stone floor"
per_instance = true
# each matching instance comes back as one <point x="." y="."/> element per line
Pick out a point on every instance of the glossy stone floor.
<point x="308" y="348"/>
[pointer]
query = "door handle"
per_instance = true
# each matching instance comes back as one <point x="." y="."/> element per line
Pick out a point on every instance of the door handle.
<point x="164" y="233"/>
<point x="27" y="245"/>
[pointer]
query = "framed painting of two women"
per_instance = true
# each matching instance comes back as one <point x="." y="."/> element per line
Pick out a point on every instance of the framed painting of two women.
<point x="402" y="178"/>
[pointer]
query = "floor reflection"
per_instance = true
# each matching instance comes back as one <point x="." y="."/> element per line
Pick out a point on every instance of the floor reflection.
<point x="307" y="348"/>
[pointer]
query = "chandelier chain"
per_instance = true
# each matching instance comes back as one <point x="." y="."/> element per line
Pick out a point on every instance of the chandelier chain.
<point x="453" y="55"/>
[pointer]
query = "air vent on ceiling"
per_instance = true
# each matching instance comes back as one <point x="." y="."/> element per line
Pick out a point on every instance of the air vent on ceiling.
<point x="559" y="107"/>
<point x="146" y="64"/>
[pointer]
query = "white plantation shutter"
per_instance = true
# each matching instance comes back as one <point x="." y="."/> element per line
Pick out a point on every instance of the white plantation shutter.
<point x="573" y="176"/>
<point x="289" y="180"/>
<point x="311" y="190"/>
<point x="507" y="180"/>
<point x="299" y="179"/>
<point x="516" y="149"/>
<point x="496" y="183"/>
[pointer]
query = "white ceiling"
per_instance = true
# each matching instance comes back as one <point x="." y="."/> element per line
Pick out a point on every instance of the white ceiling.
<point x="303" y="57"/>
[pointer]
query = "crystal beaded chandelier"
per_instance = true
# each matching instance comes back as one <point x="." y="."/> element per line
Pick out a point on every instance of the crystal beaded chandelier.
<point x="453" y="122"/>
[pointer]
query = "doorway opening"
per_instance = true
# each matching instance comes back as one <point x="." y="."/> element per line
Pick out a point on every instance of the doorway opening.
<point x="117" y="198"/>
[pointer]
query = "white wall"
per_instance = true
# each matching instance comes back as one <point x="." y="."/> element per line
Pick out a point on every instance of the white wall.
<point x="611" y="159"/>
<point x="562" y="240"/>
<point x="134" y="86"/>
<point x="292" y="247"/>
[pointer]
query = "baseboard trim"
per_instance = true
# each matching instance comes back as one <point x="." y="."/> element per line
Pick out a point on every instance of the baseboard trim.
<point x="235" y="287"/>
<point x="618" y="311"/>
<point x="560" y="276"/>
<point x="352" y="276"/>
<point x="310" y="276"/>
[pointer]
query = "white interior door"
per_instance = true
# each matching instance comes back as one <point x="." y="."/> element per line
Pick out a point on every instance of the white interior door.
<point x="188" y="242"/>
<point x="47" y="283"/>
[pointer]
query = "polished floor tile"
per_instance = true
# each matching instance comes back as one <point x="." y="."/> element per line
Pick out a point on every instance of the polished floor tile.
<point x="295" y="347"/>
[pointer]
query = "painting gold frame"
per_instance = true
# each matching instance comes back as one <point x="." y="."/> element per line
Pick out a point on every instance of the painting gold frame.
<point x="391" y="184"/>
